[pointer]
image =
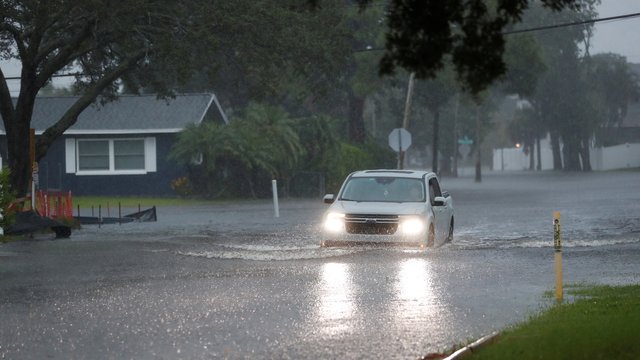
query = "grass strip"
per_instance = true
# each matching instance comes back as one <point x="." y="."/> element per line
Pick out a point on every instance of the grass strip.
<point x="602" y="323"/>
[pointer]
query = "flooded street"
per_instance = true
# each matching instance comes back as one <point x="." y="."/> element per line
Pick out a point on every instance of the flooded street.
<point x="232" y="281"/>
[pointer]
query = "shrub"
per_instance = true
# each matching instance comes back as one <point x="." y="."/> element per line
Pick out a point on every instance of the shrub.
<point x="7" y="197"/>
<point x="182" y="186"/>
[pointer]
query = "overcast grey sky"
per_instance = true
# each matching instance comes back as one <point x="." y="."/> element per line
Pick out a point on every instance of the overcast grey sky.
<point x="621" y="37"/>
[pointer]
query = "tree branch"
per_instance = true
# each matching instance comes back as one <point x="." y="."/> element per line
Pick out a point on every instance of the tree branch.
<point x="90" y="95"/>
<point x="64" y="56"/>
<point x="6" y="105"/>
<point x="17" y="37"/>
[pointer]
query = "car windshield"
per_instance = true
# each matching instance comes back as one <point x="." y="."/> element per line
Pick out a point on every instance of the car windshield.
<point x="384" y="189"/>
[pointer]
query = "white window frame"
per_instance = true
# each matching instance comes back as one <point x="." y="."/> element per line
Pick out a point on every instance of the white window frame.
<point x="72" y="157"/>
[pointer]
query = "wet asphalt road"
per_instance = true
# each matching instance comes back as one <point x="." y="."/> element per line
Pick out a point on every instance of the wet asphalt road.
<point x="232" y="281"/>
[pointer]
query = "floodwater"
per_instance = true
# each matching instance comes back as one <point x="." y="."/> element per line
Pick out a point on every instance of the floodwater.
<point x="232" y="281"/>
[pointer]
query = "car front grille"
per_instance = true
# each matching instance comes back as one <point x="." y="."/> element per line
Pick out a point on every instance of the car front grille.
<point x="371" y="224"/>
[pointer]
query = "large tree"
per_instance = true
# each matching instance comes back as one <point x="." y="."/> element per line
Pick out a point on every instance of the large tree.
<point x="435" y="94"/>
<point x="611" y="76"/>
<point x="138" y="43"/>
<point x="281" y="52"/>
<point x="421" y="35"/>
<point x="562" y="98"/>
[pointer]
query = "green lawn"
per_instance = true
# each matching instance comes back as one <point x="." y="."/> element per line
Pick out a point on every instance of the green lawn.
<point x="602" y="323"/>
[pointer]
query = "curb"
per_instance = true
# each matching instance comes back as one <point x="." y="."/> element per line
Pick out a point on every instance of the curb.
<point x="474" y="346"/>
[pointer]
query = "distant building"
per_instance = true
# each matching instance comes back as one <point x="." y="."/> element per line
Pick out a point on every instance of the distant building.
<point x="120" y="148"/>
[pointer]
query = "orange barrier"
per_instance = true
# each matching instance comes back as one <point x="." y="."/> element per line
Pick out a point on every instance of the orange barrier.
<point x="54" y="204"/>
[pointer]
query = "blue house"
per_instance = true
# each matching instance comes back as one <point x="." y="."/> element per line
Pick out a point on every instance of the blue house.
<point x="120" y="148"/>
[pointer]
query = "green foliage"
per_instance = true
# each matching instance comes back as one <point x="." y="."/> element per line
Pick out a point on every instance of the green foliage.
<point x="263" y="142"/>
<point x="277" y="51"/>
<point x="349" y="158"/>
<point x="260" y="140"/>
<point x="421" y="34"/>
<point x="319" y="141"/>
<point x="617" y="84"/>
<point x="602" y="323"/>
<point x="523" y="56"/>
<point x="7" y="196"/>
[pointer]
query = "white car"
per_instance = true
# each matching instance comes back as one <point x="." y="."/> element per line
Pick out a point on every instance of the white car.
<point x="402" y="207"/>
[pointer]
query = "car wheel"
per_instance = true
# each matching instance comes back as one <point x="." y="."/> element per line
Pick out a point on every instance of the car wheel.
<point x="450" y="236"/>
<point x="431" y="237"/>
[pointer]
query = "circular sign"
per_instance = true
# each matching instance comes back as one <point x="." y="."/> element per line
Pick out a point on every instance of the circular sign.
<point x="399" y="139"/>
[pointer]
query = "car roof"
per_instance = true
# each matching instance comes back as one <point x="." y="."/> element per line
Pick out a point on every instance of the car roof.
<point x="417" y="174"/>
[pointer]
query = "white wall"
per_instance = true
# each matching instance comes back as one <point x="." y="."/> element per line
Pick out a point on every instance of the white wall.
<point x="616" y="157"/>
<point x="510" y="159"/>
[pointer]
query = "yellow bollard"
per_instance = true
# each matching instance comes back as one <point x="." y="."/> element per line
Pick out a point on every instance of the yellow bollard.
<point x="557" y="244"/>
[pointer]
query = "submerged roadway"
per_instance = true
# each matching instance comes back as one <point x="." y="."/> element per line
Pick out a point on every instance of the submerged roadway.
<point x="232" y="281"/>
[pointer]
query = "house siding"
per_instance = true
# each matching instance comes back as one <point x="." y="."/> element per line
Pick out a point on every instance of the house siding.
<point x="52" y="172"/>
<point x="146" y="117"/>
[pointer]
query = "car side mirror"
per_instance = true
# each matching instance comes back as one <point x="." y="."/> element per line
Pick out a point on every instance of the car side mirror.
<point x="328" y="199"/>
<point x="438" y="201"/>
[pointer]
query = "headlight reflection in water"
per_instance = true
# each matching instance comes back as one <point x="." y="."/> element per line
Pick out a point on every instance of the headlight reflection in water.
<point x="335" y="299"/>
<point x="414" y="289"/>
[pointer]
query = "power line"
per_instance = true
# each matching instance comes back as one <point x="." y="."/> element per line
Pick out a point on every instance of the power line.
<point x="60" y="75"/>
<point x="575" y="23"/>
<point x="547" y="27"/>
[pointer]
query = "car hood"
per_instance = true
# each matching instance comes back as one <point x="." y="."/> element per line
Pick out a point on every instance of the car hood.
<point x="391" y="208"/>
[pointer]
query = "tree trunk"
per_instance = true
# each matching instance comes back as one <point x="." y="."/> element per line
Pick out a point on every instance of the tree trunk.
<point x="18" y="150"/>
<point x="532" y="161"/>
<point x="356" y="119"/>
<point x="571" y="156"/>
<point x="454" y="170"/>
<point x="555" y="148"/>
<point x="436" y="132"/>
<point x="539" y="154"/>
<point x="446" y="165"/>
<point x="478" y="165"/>
<point x="585" y="154"/>
<point x="478" y="154"/>
<point x="19" y="159"/>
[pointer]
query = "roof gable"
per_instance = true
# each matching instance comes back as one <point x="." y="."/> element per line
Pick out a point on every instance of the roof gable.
<point x="128" y="113"/>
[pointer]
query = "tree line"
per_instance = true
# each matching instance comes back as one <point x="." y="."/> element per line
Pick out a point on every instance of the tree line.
<point x="301" y="80"/>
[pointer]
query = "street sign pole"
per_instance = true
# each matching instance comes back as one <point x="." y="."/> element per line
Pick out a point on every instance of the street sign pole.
<point x="405" y="120"/>
<point x="399" y="141"/>
<point x="400" y="152"/>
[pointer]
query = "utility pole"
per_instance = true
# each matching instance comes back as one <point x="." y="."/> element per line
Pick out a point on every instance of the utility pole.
<point x="405" y="120"/>
<point x="478" y="154"/>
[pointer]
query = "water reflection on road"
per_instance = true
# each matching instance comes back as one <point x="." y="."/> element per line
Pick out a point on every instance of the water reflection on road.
<point x="335" y="300"/>
<point x="414" y="291"/>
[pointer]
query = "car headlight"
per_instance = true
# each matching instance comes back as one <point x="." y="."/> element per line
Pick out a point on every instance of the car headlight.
<point x="412" y="226"/>
<point x="334" y="222"/>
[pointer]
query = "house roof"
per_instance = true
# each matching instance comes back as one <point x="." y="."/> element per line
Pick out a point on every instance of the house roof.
<point x="128" y="114"/>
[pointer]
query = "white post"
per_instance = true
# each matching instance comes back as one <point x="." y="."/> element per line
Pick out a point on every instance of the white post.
<point x="274" y="190"/>
<point x="33" y="195"/>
